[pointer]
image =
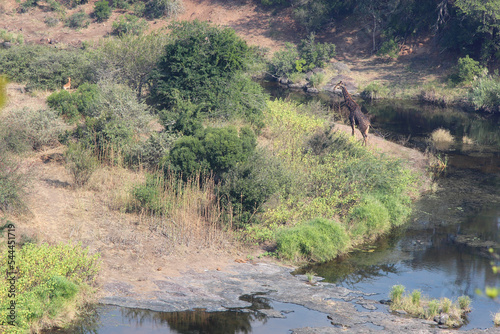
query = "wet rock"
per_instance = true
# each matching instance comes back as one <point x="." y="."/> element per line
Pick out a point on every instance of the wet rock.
<point x="442" y="318"/>
<point x="295" y="86"/>
<point x="270" y="313"/>
<point x="312" y="90"/>
<point x="401" y="312"/>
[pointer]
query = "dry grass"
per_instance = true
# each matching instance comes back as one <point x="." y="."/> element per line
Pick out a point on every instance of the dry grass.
<point x="194" y="217"/>
<point x="442" y="139"/>
<point x="496" y="319"/>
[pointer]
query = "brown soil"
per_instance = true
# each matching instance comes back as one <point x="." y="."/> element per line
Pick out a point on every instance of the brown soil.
<point x="131" y="250"/>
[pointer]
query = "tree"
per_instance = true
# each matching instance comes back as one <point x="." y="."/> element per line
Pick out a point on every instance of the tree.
<point x="198" y="64"/>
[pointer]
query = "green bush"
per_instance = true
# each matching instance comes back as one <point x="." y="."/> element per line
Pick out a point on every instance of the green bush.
<point x="249" y="185"/>
<point x="200" y="66"/>
<point x="13" y="182"/>
<point x="150" y="195"/>
<point x="129" y="24"/>
<point x="31" y="129"/>
<point x="83" y="102"/>
<point x="467" y="70"/>
<point x="78" y="20"/>
<point x="80" y="162"/>
<point x="283" y="62"/>
<point x="64" y="102"/>
<point x="216" y="150"/>
<point x="102" y="12"/>
<point x="150" y="152"/>
<point x="44" y="67"/>
<point x="49" y="278"/>
<point x="157" y="8"/>
<point x="389" y="48"/>
<point x="485" y="94"/>
<point x="317" y="240"/>
<point x="315" y="54"/>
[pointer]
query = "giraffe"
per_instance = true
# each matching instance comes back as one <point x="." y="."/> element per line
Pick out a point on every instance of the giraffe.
<point x="68" y="85"/>
<point x="356" y="117"/>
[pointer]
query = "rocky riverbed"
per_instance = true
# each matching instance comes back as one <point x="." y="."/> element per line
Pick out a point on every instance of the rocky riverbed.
<point x="214" y="290"/>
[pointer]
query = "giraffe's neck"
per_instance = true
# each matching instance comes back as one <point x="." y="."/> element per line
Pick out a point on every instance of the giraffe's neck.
<point x="348" y="100"/>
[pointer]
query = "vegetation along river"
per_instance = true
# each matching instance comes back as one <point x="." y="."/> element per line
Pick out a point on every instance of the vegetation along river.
<point x="442" y="251"/>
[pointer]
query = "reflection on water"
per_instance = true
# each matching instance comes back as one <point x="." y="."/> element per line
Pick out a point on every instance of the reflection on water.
<point x="113" y="319"/>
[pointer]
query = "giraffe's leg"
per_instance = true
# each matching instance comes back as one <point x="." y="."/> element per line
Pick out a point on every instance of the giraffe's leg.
<point x="352" y="126"/>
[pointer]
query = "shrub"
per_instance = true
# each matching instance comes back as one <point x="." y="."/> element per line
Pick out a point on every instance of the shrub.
<point x="374" y="90"/>
<point x="51" y="21"/>
<point x="371" y="217"/>
<point x="218" y="150"/>
<point x="317" y="240"/>
<point x="432" y="308"/>
<point x="129" y="24"/>
<point x="102" y="12"/>
<point x="315" y="54"/>
<point x="44" y="67"/>
<point x="64" y="102"/>
<point x="389" y="48"/>
<point x="199" y="66"/>
<point x="317" y="79"/>
<point x="81" y="163"/>
<point x="464" y="303"/>
<point x="467" y="70"/>
<point x="485" y="94"/>
<point x="150" y="196"/>
<point x="283" y="62"/>
<point x="78" y="20"/>
<point x="13" y="182"/>
<point x="396" y="293"/>
<point x="151" y="151"/>
<point x="157" y="8"/>
<point x="48" y="281"/>
<point x="35" y="128"/>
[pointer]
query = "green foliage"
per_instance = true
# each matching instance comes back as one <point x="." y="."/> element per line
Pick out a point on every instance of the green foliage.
<point x="129" y="24"/>
<point x="44" y="67"/>
<point x="374" y="90"/>
<point x="284" y="62"/>
<point x="157" y="8"/>
<point x="315" y="54"/>
<point x="464" y="303"/>
<point x="396" y="293"/>
<point x="204" y="65"/>
<point x="78" y="20"/>
<point x="3" y="91"/>
<point x="307" y="56"/>
<point x="249" y="185"/>
<point x="149" y="196"/>
<point x="36" y="128"/>
<point x="485" y="94"/>
<point x="415" y="297"/>
<point x="83" y="102"/>
<point x="80" y="163"/>
<point x="467" y="70"/>
<point x="334" y="176"/>
<point x="317" y="240"/>
<point x="49" y="278"/>
<point x="216" y="150"/>
<point x="6" y="36"/>
<point x="102" y="11"/>
<point x="389" y="48"/>
<point x="150" y="152"/>
<point x="13" y="181"/>
<point x="274" y="2"/>
<point x="316" y="79"/>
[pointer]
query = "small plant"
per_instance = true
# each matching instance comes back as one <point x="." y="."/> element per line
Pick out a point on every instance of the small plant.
<point x="129" y="24"/>
<point x="415" y="297"/>
<point x="51" y="21"/>
<point x="389" y="48"/>
<point x="442" y="139"/>
<point x="496" y="319"/>
<point x="446" y="304"/>
<point x="78" y="20"/>
<point x="467" y="140"/>
<point x="396" y="293"/>
<point x="81" y="163"/>
<point x="317" y="79"/>
<point x="432" y="308"/>
<point x="310" y="276"/>
<point x="102" y="11"/>
<point x="374" y="90"/>
<point x="467" y="70"/>
<point x="464" y="303"/>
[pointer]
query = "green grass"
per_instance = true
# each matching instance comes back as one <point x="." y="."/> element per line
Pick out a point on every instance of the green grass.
<point x="51" y="281"/>
<point x="425" y="308"/>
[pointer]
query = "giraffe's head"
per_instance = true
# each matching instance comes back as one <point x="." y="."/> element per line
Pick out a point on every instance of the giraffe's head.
<point x="339" y="85"/>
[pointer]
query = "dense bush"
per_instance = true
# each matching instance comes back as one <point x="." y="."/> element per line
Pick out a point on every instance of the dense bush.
<point x="204" y="65"/>
<point x="13" y="182"/>
<point x="78" y="20"/>
<point x="102" y="11"/>
<point x="31" y="129"/>
<point x="44" y="67"/>
<point x="150" y="152"/>
<point x="316" y="240"/>
<point x="49" y="278"/>
<point x="307" y="56"/>
<point x="216" y="150"/>
<point x="467" y="70"/>
<point x="154" y="9"/>
<point x="80" y="162"/>
<point x="485" y="94"/>
<point x="129" y="24"/>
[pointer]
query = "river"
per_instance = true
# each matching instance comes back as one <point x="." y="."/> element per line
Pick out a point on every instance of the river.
<point x="442" y="251"/>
